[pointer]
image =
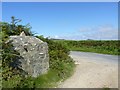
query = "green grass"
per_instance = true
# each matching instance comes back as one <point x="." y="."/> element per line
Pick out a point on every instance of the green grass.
<point x="12" y="82"/>
<point x="61" y="65"/>
<point x="96" y="46"/>
<point x="94" y="50"/>
<point x="52" y="78"/>
<point x="49" y="80"/>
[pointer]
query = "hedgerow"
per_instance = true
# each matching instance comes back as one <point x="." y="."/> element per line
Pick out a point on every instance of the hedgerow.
<point x="61" y="65"/>
<point x="98" y="46"/>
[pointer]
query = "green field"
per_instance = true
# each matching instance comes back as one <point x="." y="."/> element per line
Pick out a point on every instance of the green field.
<point x="97" y="46"/>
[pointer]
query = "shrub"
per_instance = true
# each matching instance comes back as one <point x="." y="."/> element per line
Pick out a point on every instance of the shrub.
<point x="61" y="65"/>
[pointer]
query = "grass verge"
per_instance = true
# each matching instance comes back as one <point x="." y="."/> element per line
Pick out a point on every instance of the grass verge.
<point x="97" y="46"/>
<point x="94" y="50"/>
<point x="49" y="80"/>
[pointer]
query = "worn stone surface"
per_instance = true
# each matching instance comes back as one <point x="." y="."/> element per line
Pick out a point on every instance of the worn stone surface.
<point x="34" y="54"/>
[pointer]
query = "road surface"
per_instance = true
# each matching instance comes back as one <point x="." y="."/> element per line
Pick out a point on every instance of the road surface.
<point x="93" y="71"/>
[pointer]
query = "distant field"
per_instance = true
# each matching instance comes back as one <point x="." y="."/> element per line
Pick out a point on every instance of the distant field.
<point x="97" y="46"/>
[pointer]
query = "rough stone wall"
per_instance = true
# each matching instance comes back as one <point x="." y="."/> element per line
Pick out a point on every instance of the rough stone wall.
<point x="34" y="54"/>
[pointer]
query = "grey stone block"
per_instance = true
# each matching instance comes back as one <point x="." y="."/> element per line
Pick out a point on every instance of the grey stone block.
<point x="34" y="54"/>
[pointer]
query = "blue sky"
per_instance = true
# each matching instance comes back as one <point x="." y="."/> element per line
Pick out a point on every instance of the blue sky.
<point x="76" y="21"/>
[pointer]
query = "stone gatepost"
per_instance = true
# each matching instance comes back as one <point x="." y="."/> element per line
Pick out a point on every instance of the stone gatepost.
<point x="34" y="54"/>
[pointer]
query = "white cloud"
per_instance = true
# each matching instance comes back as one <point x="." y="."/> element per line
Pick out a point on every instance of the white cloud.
<point x="104" y="32"/>
<point x="56" y="36"/>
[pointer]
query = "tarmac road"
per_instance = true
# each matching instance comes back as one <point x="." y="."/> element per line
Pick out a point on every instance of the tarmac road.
<point x="93" y="71"/>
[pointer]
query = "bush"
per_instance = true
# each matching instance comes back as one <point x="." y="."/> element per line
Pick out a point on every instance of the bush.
<point x="61" y="65"/>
